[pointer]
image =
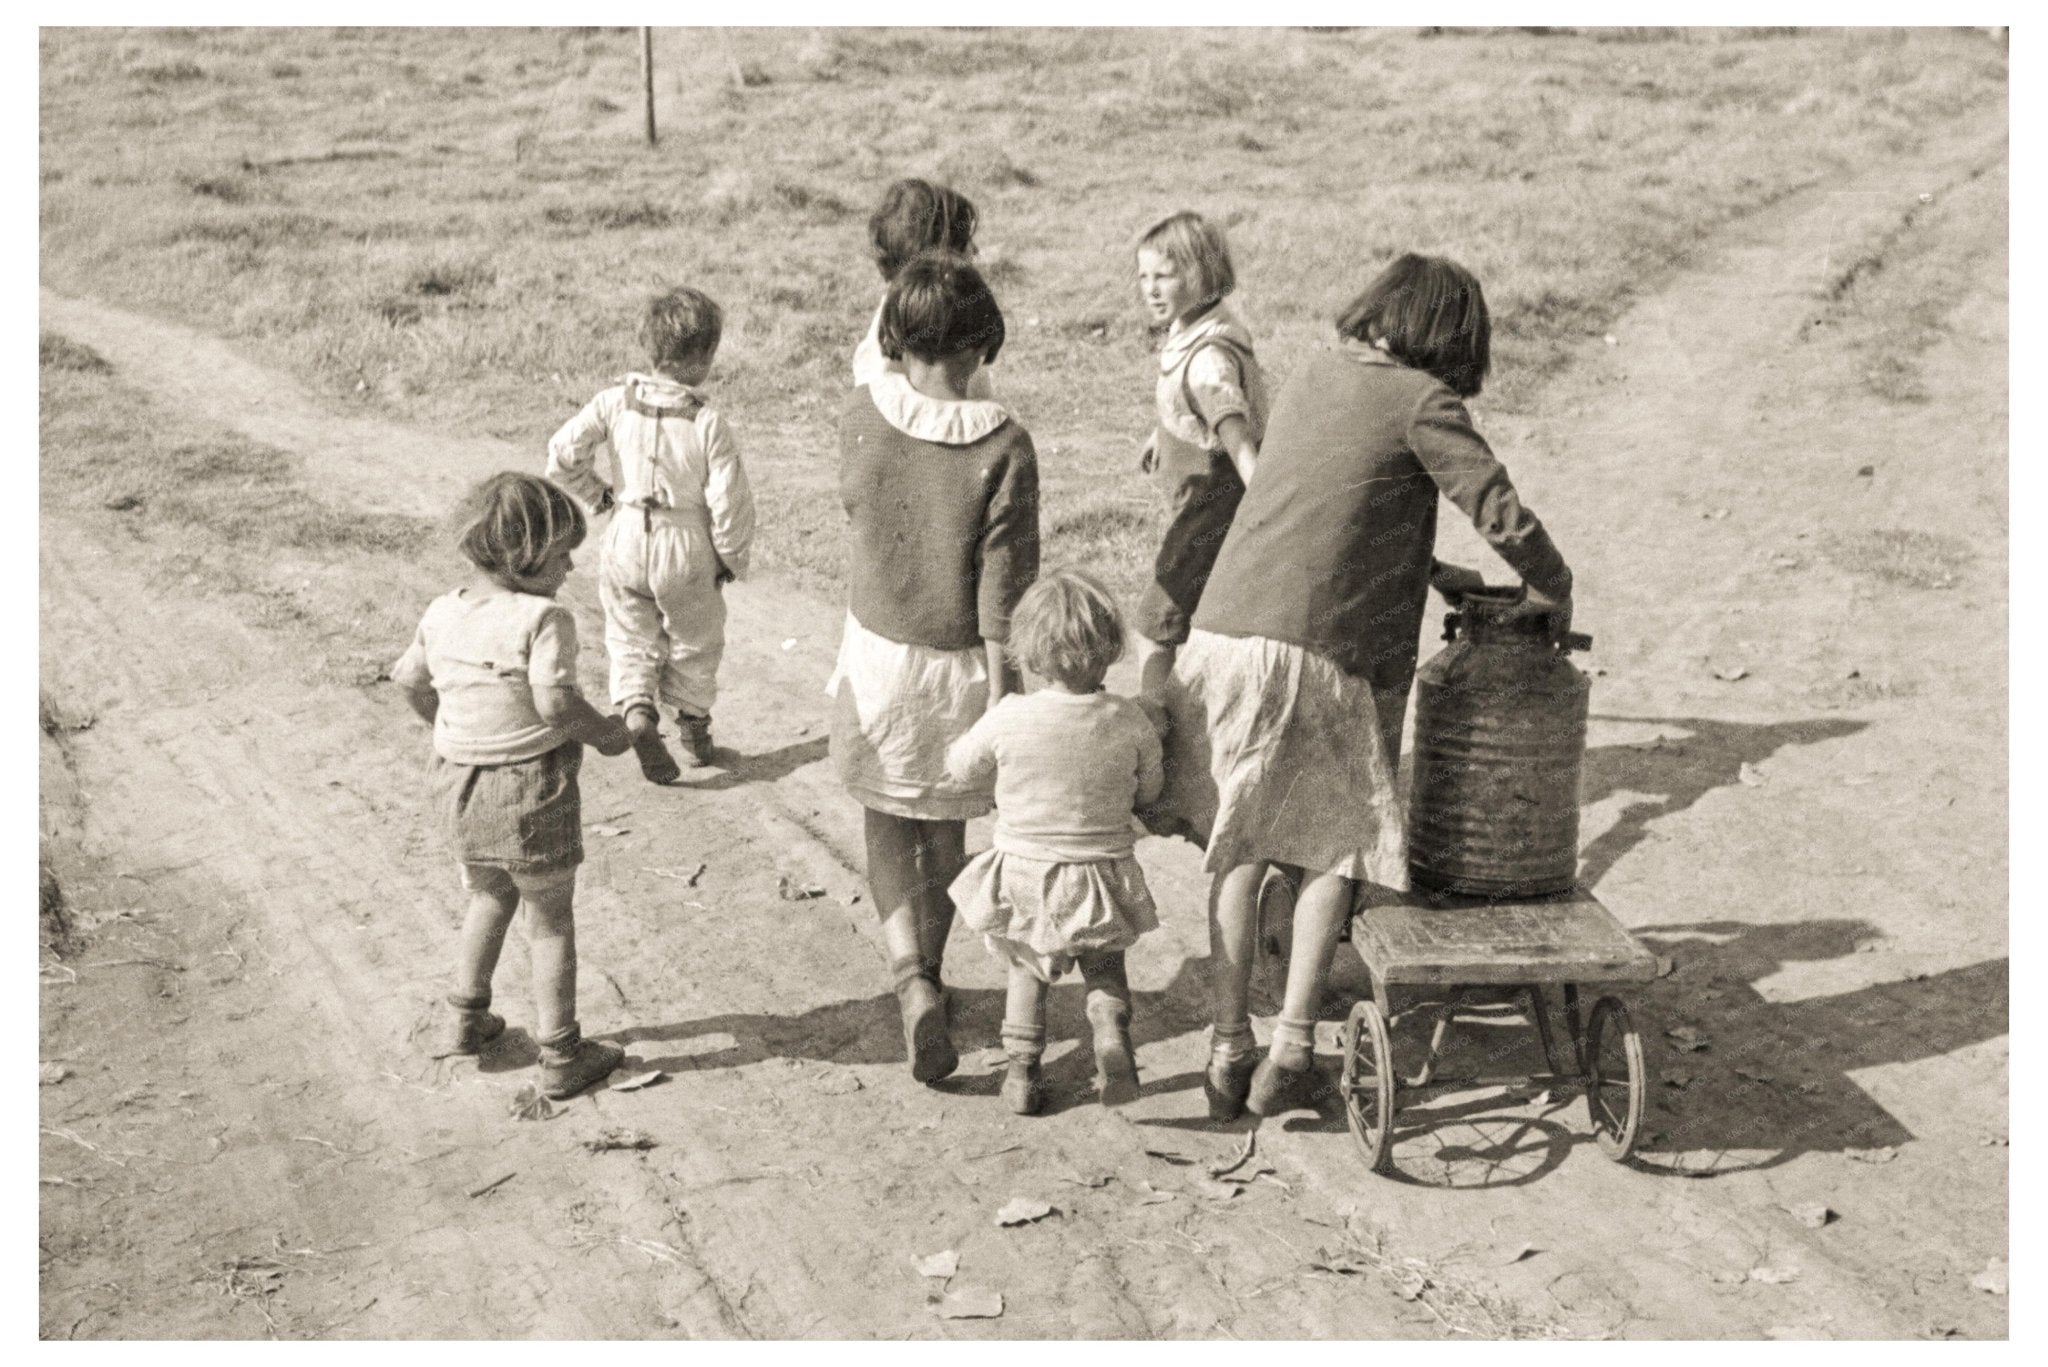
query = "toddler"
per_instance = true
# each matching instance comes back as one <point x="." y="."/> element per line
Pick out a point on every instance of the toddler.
<point x="1060" y="886"/>
<point x="493" y="667"/>
<point x="684" y="530"/>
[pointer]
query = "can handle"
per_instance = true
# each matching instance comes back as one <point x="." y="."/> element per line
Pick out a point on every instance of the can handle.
<point x="1573" y="640"/>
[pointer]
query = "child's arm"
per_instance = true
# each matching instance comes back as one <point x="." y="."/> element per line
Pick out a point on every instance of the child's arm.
<point x="551" y="673"/>
<point x="1008" y="559"/>
<point x="414" y="680"/>
<point x="1454" y="581"/>
<point x="1215" y="390"/>
<point x="729" y="496"/>
<point x="1443" y="439"/>
<point x="1236" y="435"/>
<point x="572" y="454"/>
<point x="1151" y="765"/>
<point x="972" y="758"/>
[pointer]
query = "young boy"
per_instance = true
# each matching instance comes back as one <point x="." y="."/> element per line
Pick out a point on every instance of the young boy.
<point x="682" y="528"/>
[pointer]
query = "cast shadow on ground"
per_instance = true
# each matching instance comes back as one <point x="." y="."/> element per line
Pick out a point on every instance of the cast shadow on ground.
<point x="730" y="769"/>
<point x="1669" y="776"/>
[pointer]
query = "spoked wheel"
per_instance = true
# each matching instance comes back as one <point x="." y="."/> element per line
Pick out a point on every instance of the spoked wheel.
<point x="1614" y="1078"/>
<point x="1369" y="1083"/>
<point x="1275" y="941"/>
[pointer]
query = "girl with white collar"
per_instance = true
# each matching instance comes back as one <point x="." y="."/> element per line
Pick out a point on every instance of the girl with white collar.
<point x="941" y="492"/>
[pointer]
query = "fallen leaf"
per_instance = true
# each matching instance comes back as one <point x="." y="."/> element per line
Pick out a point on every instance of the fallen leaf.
<point x="1249" y="1173"/>
<point x="613" y="1137"/>
<point x="1728" y="1277"/>
<point x="1179" y="1160"/>
<point x="1687" y="1039"/>
<point x="1149" y="1195"/>
<point x="607" y="830"/>
<point x="1022" y="1210"/>
<point x="1091" y="1180"/>
<point x="1677" y="1077"/>
<point x="940" y="1265"/>
<point x="1214" y="1190"/>
<point x="1879" y="1155"/>
<point x="1748" y="773"/>
<point x="1343" y="1264"/>
<point x="1411" y="1286"/>
<point x="1517" y="1253"/>
<point x="1992" y="1280"/>
<point x="1812" y="1214"/>
<point x="1731" y="674"/>
<point x="639" y="1080"/>
<point x="50" y="1074"/>
<point x="970" y="1303"/>
<point x="529" y="1104"/>
<point x="838" y="1082"/>
<point x="796" y="892"/>
<point x="1776" y="1276"/>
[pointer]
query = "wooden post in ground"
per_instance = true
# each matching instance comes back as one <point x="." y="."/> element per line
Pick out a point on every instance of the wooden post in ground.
<point x="647" y="78"/>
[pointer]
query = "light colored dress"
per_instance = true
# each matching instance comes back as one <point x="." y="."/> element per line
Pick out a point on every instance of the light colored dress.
<point x="1059" y="880"/>
<point x="896" y="707"/>
<point x="1277" y="755"/>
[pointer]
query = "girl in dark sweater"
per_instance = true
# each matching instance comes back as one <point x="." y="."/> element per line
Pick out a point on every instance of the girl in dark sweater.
<point x="941" y="490"/>
<point x="1287" y="700"/>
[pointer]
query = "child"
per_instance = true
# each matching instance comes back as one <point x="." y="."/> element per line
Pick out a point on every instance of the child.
<point x="915" y="217"/>
<point x="493" y="667"/>
<point x="1210" y="402"/>
<point x="664" y="564"/>
<point x="1070" y="764"/>
<point x="1287" y="700"/>
<point x="941" y="491"/>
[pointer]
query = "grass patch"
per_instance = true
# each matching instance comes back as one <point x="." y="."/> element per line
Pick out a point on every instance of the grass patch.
<point x="57" y="352"/>
<point x="1918" y="560"/>
<point x="1572" y="171"/>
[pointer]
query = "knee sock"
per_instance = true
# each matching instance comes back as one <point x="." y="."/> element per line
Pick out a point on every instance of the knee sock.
<point x="1024" y="1041"/>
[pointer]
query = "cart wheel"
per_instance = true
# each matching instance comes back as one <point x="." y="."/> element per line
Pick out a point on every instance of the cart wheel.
<point x="1275" y="942"/>
<point x="1369" y="1083"/>
<point x="1614" y="1078"/>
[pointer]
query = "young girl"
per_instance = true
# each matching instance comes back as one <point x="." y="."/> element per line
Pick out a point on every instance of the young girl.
<point x="1210" y="401"/>
<point x="1287" y="701"/>
<point x="1070" y="764"/>
<point x="941" y="490"/>
<point x="684" y="531"/>
<point x="493" y="667"/>
<point x="915" y="216"/>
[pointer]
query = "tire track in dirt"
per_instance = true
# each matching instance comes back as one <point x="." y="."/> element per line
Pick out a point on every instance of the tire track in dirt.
<point x="757" y="1116"/>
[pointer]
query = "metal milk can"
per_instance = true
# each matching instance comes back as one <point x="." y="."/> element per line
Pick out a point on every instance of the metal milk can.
<point x="1500" y="730"/>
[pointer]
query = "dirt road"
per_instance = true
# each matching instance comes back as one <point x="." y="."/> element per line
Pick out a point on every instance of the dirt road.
<point x="1797" y="790"/>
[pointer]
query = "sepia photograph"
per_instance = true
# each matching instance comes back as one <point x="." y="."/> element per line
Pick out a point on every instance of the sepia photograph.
<point x="1084" y="683"/>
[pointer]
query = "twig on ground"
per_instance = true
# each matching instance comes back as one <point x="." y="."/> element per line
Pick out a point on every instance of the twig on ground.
<point x="491" y="1185"/>
<point x="332" y="1325"/>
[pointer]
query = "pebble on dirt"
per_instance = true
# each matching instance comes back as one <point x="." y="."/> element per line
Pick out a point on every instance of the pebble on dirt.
<point x="1993" y="1279"/>
<point x="50" y="1074"/>
<point x="940" y="1265"/>
<point x="1022" y="1210"/>
<point x="1812" y="1214"/>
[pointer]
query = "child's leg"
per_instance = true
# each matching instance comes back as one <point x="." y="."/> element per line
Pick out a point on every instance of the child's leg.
<point x="569" y="1062"/>
<point x="1324" y="906"/>
<point x="942" y="853"/>
<point x="693" y="625"/>
<point x="895" y="845"/>
<point x="1109" y="1019"/>
<point x="1024" y="1040"/>
<point x="1233" y="929"/>
<point x="633" y="637"/>
<point x="492" y="901"/>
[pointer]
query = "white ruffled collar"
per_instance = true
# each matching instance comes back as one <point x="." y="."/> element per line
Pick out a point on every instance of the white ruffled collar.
<point x="947" y="422"/>
<point x="1220" y="320"/>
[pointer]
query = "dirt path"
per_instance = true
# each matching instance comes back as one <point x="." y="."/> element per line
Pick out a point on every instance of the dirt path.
<point x="251" y="1141"/>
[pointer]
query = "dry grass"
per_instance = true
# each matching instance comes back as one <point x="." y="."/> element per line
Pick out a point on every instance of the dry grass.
<point x="455" y="226"/>
<point x="1919" y="560"/>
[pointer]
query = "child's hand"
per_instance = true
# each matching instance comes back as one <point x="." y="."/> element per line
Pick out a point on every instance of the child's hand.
<point x="1454" y="581"/>
<point x="1557" y="610"/>
<point x="723" y="575"/>
<point x="614" y="739"/>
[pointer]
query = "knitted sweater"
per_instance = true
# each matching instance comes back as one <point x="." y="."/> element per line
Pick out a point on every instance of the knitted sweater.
<point x="942" y="499"/>
<point x="1331" y="547"/>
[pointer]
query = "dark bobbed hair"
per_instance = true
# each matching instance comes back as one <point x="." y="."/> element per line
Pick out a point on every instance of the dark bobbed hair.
<point x="939" y="306"/>
<point x="1431" y="314"/>
<point x="512" y="522"/>
<point x="1067" y="628"/>
<point x="681" y="326"/>
<point x="915" y="217"/>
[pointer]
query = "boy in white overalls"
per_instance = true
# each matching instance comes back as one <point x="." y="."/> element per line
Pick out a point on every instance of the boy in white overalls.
<point x="682" y="525"/>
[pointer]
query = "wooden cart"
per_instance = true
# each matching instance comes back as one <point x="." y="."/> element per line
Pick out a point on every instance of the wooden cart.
<point x="1473" y="947"/>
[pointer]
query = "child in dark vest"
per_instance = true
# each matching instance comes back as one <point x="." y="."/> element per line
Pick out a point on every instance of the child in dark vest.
<point x="1210" y="406"/>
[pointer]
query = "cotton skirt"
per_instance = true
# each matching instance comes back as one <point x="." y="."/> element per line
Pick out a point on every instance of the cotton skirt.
<point x="1277" y="755"/>
<point x="525" y="817"/>
<point x="1041" y="915"/>
<point x="895" y="709"/>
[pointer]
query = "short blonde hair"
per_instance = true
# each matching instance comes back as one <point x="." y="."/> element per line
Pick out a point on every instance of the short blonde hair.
<point x="1067" y="628"/>
<point x="512" y="522"/>
<point x="1196" y="246"/>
